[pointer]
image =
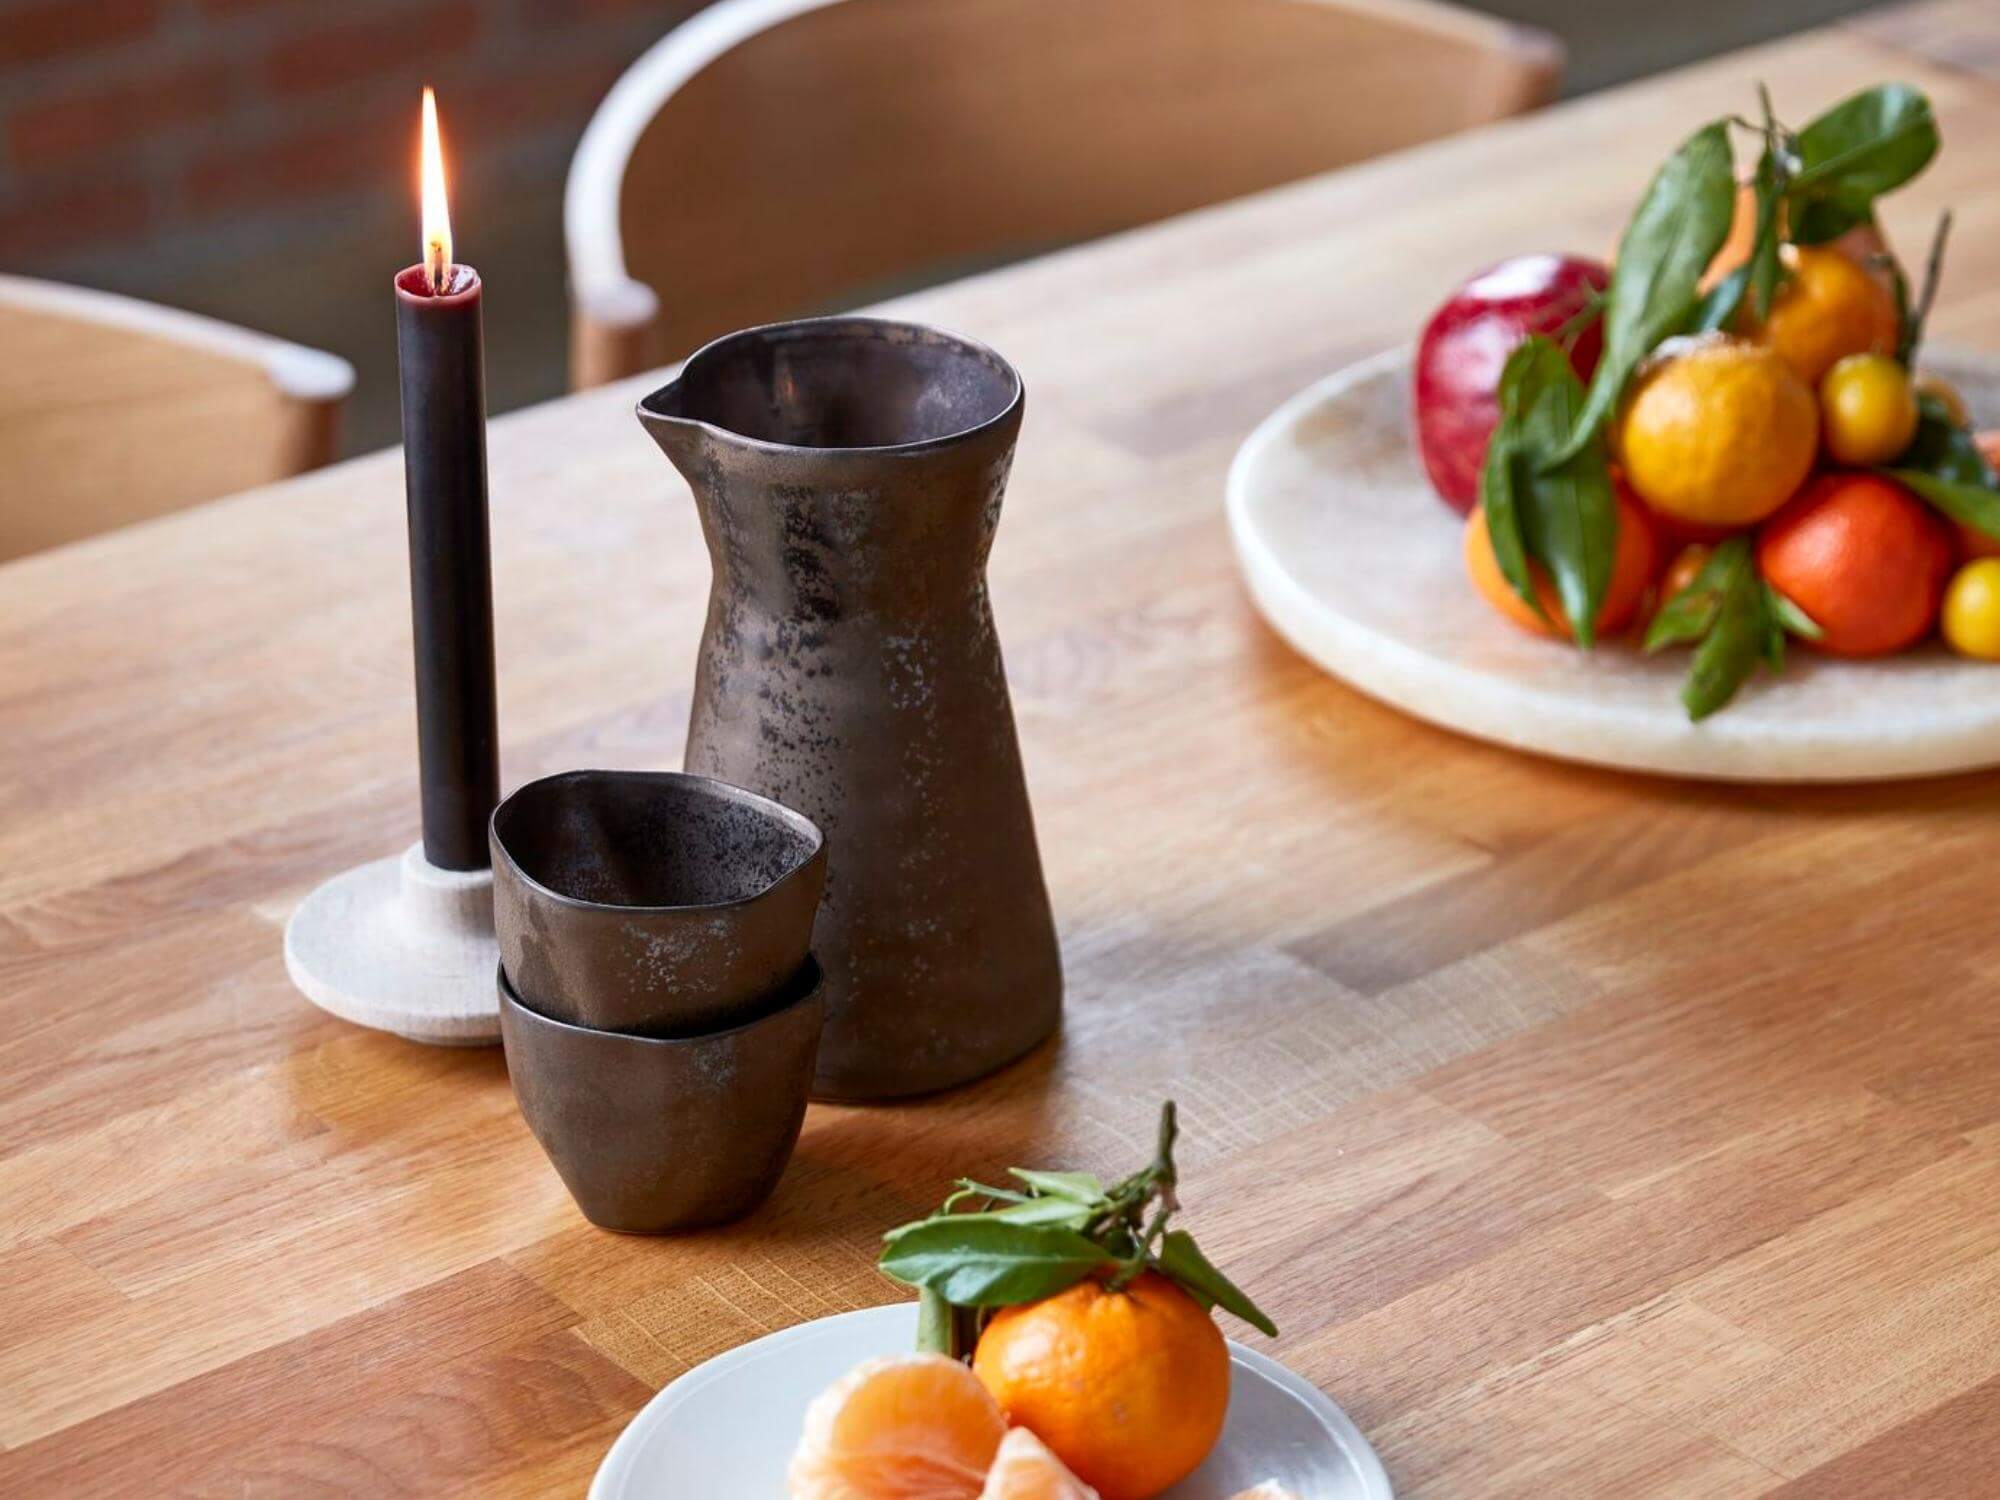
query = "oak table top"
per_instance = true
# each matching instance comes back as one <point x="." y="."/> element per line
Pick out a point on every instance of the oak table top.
<point x="1585" y="1133"/>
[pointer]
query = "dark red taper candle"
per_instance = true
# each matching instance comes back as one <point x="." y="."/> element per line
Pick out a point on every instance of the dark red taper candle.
<point x="442" y="361"/>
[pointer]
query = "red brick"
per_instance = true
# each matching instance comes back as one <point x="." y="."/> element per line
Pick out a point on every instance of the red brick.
<point x="308" y="164"/>
<point x="481" y="112"/>
<point x="411" y="38"/>
<point x="51" y="28"/>
<point x="38" y="226"/>
<point x="94" y="121"/>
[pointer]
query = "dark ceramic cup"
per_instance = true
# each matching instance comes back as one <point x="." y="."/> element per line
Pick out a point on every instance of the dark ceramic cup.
<point x="656" y="1134"/>
<point x="650" y="901"/>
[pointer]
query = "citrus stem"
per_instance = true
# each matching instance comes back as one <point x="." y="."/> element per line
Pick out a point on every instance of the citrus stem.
<point x="936" y="1324"/>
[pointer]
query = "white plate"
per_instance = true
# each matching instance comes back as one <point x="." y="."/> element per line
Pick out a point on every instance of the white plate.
<point x="726" y="1428"/>
<point x="1356" y="562"/>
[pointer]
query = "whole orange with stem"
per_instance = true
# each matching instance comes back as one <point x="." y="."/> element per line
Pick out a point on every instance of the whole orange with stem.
<point x="1863" y="557"/>
<point x="1632" y="569"/>
<point x="1128" y="1385"/>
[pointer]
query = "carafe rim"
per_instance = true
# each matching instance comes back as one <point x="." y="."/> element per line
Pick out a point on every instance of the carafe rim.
<point x="649" y="416"/>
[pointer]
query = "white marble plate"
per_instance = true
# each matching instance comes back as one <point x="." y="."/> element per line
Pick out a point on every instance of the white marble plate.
<point x="727" y="1428"/>
<point x="1353" y="559"/>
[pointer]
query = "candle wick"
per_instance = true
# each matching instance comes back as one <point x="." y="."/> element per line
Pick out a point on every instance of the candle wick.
<point x="437" y="270"/>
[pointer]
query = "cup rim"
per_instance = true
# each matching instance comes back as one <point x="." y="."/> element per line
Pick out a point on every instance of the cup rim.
<point x="809" y="983"/>
<point x="835" y="325"/>
<point x="729" y="791"/>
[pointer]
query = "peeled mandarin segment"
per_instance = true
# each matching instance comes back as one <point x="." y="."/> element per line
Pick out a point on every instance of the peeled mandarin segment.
<point x="1025" y="1469"/>
<point x="904" y="1427"/>
<point x="1270" y="1489"/>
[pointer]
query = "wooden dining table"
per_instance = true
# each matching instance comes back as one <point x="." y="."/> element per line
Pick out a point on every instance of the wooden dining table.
<point x="1584" y="1133"/>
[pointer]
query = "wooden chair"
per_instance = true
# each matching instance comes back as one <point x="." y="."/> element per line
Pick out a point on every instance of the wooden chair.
<point x="113" y="410"/>
<point x="770" y="157"/>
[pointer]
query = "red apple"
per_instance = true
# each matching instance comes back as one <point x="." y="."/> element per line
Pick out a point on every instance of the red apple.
<point x="1466" y="343"/>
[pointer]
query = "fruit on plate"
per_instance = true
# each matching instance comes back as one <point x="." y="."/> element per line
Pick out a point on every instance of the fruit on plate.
<point x="1971" y="619"/>
<point x="1085" y="1313"/>
<point x="1130" y="1385"/>
<point x="1466" y="343"/>
<point x="1025" y="1469"/>
<point x="1716" y="431"/>
<point x="1863" y="558"/>
<point x="1826" y="307"/>
<point x="1270" y="1489"/>
<point x="1752" y="418"/>
<point x="903" y="1427"/>
<point x="1867" y="409"/>
<point x="1632" y="570"/>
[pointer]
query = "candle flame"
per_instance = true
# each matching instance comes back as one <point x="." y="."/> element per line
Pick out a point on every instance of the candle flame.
<point x="437" y="216"/>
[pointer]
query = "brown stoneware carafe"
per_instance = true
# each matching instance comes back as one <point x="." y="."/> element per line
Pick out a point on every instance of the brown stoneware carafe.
<point x="848" y="472"/>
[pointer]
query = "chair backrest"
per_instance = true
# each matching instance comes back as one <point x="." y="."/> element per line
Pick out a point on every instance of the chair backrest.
<point x="771" y="157"/>
<point x="113" y="410"/>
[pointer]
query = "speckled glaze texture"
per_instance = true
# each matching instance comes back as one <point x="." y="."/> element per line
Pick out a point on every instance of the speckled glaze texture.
<point x="656" y="1134"/>
<point x="650" y="901"/>
<point x="849" y="473"/>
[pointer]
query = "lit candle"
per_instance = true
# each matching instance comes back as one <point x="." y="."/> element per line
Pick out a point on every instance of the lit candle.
<point x="440" y="354"/>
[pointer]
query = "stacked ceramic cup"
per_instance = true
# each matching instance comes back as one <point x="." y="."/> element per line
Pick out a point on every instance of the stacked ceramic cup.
<point x="659" y="1002"/>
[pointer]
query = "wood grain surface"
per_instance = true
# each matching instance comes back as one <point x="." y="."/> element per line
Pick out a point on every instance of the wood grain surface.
<point x="1586" y="1134"/>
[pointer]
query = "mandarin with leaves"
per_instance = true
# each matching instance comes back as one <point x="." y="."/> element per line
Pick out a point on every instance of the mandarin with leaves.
<point x="1127" y="1384"/>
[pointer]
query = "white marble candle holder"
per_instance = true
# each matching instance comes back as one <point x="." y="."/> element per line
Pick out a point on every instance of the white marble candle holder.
<point x="401" y="946"/>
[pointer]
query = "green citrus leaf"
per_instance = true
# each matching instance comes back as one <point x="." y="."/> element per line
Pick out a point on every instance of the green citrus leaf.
<point x="1790" y="619"/>
<point x="976" y="1260"/>
<point x="1943" y="465"/>
<point x="1499" y="496"/>
<point x="1674" y="233"/>
<point x="1978" y="506"/>
<point x="1690" y="614"/>
<point x="1078" y="1187"/>
<point x="1735" y="644"/>
<point x="1567" y="515"/>
<point x="1181" y="1260"/>
<point x="1065" y="1212"/>
<point x="1863" y="147"/>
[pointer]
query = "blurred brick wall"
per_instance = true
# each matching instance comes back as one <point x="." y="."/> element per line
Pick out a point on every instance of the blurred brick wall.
<point x="256" y="158"/>
<point x="140" y="118"/>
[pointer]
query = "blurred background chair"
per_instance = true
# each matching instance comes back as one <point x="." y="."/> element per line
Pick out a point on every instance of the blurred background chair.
<point x="774" y="157"/>
<point x="114" y="410"/>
